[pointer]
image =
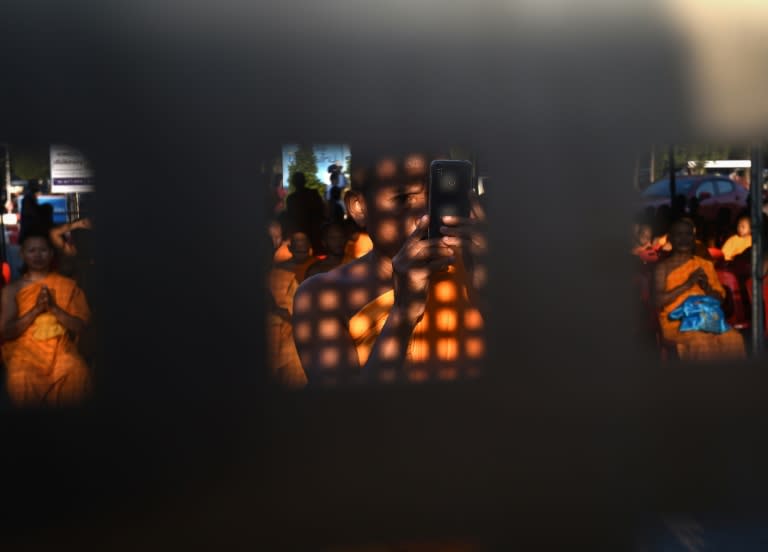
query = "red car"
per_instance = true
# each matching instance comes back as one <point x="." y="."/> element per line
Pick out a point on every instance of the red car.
<point x="713" y="193"/>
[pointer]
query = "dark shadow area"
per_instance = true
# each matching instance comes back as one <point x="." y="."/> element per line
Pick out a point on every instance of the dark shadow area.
<point x="574" y="436"/>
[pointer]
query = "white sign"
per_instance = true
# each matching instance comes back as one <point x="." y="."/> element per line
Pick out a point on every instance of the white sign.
<point x="70" y="171"/>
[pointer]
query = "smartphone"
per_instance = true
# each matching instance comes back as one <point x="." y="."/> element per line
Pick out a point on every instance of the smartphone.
<point x="450" y="186"/>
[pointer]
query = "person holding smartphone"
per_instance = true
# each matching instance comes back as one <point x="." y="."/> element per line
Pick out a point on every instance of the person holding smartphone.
<point x="411" y="309"/>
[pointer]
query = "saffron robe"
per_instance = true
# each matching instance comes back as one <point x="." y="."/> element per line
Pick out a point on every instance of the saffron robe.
<point x="43" y="365"/>
<point x="284" y="359"/>
<point x="735" y="245"/>
<point x="697" y="345"/>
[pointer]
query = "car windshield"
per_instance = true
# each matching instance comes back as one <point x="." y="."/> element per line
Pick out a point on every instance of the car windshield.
<point x="660" y="188"/>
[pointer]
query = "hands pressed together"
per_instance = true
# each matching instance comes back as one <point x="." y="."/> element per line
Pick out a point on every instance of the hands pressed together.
<point x="45" y="301"/>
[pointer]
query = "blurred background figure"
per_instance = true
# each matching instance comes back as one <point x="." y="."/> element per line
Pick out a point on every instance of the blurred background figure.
<point x="301" y="256"/>
<point x="305" y="211"/>
<point x="336" y="210"/>
<point x="34" y="216"/>
<point x="337" y="177"/>
<point x="334" y="241"/>
<point x="740" y="241"/>
<point x="682" y="275"/>
<point x="281" y="287"/>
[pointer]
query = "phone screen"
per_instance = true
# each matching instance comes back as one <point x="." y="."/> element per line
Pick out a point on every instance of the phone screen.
<point x="450" y="185"/>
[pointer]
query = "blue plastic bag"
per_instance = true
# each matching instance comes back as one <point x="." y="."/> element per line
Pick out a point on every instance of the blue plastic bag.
<point x="700" y="313"/>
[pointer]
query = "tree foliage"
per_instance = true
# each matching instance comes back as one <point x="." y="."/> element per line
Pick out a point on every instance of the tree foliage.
<point x="305" y="161"/>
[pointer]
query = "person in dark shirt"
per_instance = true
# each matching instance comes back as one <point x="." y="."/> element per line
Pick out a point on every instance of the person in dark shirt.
<point x="305" y="211"/>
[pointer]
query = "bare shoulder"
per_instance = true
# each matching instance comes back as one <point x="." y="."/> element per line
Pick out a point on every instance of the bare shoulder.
<point x="345" y="286"/>
<point x="661" y="267"/>
<point x="341" y="279"/>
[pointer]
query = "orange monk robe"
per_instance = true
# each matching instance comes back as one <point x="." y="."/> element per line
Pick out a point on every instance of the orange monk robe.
<point x="357" y="248"/>
<point x="299" y="270"/>
<point x="43" y="365"/>
<point x="447" y="344"/>
<point x="735" y="245"/>
<point x="698" y="345"/>
<point x="284" y="359"/>
<point x="282" y="253"/>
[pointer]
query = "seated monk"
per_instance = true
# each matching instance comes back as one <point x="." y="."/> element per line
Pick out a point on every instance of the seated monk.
<point x="334" y="240"/>
<point x="407" y="311"/>
<point x="663" y="246"/>
<point x="42" y="315"/>
<point x="680" y="276"/>
<point x="284" y="360"/>
<point x="739" y="242"/>
<point x="300" y="259"/>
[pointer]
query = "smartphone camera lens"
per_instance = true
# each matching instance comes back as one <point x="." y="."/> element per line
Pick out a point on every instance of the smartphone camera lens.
<point x="448" y="183"/>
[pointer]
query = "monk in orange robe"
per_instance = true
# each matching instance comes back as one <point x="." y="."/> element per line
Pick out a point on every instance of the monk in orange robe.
<point x="410" y="309"/>
<point x="739" y="242"/>
<point x="334" y="240"/>
<point x="301" y="256"/>
<point x="280" y="286"/>
<point x="42" y="315"/>
<point x="684" y="274"/>
<point x="285" y="364"/>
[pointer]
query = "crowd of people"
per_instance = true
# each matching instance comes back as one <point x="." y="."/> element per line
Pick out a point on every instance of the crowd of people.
<point x="358" y="294"/>
<point x="681" y="258"/>
<point x="45" y="330"/>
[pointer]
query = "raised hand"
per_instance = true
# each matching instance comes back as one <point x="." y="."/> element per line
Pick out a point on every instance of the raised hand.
<point x="413" y="265"/>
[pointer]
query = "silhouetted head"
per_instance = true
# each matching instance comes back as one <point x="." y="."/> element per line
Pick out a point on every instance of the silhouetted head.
<point x="298" y="180"/>
<point x="682" y="234"/>
<point x="334" y="239"/>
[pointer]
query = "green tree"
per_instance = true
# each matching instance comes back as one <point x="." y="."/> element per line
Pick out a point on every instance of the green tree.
<point x="306" y="162"/>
